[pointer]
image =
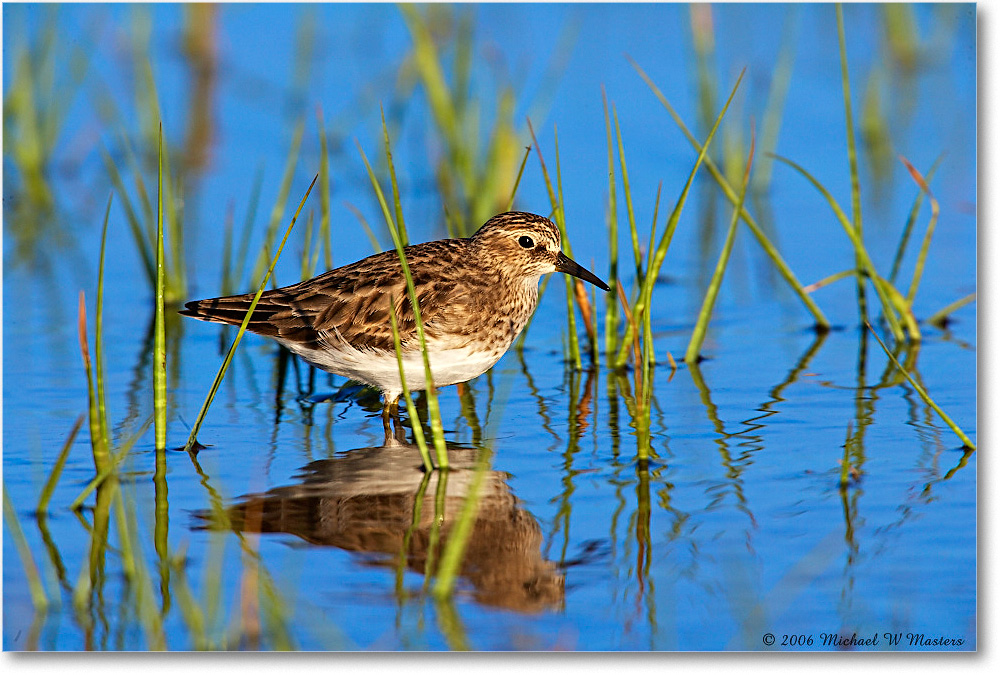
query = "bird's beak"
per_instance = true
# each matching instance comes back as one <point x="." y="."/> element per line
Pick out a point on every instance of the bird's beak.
<point x="569" y="266"/>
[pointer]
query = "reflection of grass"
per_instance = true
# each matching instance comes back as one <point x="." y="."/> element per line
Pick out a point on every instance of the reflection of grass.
<point x="13" y="528"/>
<point x="116" y="534"/>
<point x="469" y="184"/>
<point x="923" y="393"/>
<point x="940" y="317"/>
<point x="461" y="530"/>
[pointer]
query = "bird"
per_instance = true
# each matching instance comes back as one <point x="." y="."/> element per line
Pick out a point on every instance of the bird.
<point x="475" y="295"/>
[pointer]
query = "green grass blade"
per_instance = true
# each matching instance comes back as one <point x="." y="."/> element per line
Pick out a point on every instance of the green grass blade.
<point x="900" y="304"/>
<point x="487" y="182"/>
<point x="517" y="181"/>
<point x="923" y="393"/>
<point x="774" y="109"/>
<point x="822" y="324"/>
<point x="141" y="242"/>
<point x="611" y="306"/>
<point x="176" y="275"/>
<point x="867" y="267"/>
<point x="102" y="413"/>
<point x="367" y="228"/>
<point x="305" y="268"/>
<point x="38" y="597"/>
<point x="240" y="263"/>
<point x="279" y="204"/>
<point x="656" y="213"/>
<point x="636" y="250"/>
<point x="324" y="192"/>
<point x="159" y="325"/>
<point x="558" y="217"/>
<point x="574" y="287"/>
<point x="431" y="73"/>
<point x="411" y="409"/>
<point x="399" y="241"/>
<point x="918" y="270"/>
<point x="826" y="281"/>
<point x="940" y="318"/>
<point x="433" y="410"/>
<point x="98" y="441"/>
<point x="397" y="202"/>
<point x="852" y="151"/>
<point x="656" y="258"/>
<point x="193" y="437"/>
<point x="852" y="159"/>
<point x="53" y="480"/>
<point x="110" y="466"/>
<point x="701" y="325"/>
<point x="904" y="238"/>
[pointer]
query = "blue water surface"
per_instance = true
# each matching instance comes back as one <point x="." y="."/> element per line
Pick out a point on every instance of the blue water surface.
<point x="736" y="530"/>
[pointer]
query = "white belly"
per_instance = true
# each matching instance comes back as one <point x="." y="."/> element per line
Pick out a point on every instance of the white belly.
<point x="381" y="369"/>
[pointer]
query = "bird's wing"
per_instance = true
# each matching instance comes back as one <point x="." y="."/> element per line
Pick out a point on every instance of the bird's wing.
<point x="351" y="303"/>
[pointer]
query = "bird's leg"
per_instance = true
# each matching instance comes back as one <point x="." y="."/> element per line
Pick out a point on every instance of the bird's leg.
<point x="390" y="422"/>
<point x="390" y="408"/>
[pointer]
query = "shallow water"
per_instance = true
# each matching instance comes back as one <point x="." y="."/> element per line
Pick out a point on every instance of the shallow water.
<point x="736" y="530"/>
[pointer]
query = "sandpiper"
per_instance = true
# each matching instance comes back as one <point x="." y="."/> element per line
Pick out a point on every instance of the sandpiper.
<point x="475" y="296"/>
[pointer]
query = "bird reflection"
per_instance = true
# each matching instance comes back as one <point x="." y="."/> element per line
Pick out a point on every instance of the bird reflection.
<point x="364" y="501"/>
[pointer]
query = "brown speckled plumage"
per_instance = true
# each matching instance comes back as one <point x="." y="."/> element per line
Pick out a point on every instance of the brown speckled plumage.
<point x="475" y="296"/>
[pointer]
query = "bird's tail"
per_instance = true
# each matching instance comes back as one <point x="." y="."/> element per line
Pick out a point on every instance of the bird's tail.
<point x="233" y="309"/>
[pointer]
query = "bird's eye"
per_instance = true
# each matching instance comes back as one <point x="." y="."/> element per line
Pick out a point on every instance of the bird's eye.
<point x="526" y="242"/>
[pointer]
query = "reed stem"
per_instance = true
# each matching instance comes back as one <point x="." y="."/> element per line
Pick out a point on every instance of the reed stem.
<point x="196" y="427"/>
<point x="701" y="325"/>
<point x="159" y="326"/>
<point x="821" y="322"/>
<point x="433" y="408"/>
